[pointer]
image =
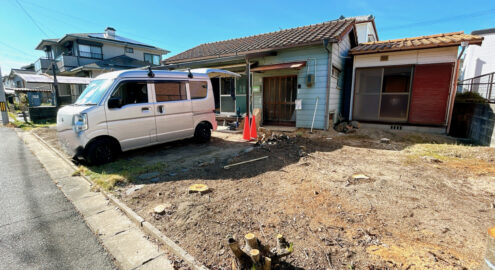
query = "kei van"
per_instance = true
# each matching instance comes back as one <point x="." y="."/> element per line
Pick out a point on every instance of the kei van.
<point x="124" y="110"/>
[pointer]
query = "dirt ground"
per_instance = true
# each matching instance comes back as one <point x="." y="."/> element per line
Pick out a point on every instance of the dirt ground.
<point x="427" y="203"/>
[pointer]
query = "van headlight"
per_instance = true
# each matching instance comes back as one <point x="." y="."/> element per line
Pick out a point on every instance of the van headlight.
<point x="80" y="122"/>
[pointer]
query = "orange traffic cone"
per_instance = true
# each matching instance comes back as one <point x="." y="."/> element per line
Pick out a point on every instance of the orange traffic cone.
<point x="246" y="134"/>
<point x="254" y="134"/>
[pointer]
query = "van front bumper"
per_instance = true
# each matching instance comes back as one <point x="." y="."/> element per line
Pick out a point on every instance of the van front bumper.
<point x="73" y="143"/>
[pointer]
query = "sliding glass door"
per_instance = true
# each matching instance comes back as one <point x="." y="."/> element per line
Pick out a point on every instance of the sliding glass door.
<point x="382" y="94"/>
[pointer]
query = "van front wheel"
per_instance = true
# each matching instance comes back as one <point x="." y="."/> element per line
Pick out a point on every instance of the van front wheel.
<point x="100" y="152"/>
<point x="202" y="133"/>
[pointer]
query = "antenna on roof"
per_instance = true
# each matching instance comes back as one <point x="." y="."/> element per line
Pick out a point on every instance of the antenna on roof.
<point x="189" y="74"/>
<point x="150" y="72"/>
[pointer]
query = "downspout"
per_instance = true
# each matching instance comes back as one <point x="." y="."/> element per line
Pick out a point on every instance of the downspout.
<point x="329" y="78"/>
<point x="453" y="91"/>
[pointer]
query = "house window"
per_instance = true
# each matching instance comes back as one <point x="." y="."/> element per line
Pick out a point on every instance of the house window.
<point x="198" y="89"/>
<point x="337" y="74"/>
<point x="90" y="51"/>
<point x="152" y="59"/>
<point x="170" y="91"/>
<point x="129" y="50"/>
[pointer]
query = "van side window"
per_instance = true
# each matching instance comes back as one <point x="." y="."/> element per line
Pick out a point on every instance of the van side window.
<point x="131" y="93"/>
<point x="198" y="89"/>
<point x="170" y="91"/>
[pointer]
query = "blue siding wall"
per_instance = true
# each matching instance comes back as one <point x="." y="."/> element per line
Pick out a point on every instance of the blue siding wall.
<point x="317" y="63"/>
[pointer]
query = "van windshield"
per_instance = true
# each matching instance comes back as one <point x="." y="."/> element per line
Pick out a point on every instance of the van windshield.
<point x="94" y="92"/>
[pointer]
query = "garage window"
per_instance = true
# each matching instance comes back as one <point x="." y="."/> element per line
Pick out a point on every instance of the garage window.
<point x="382" y="94"/>
<point x="170" y="91"/>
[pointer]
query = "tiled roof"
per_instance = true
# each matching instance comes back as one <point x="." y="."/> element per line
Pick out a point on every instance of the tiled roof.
<point x="432" y="41"/>
<point x="293" y="37"/>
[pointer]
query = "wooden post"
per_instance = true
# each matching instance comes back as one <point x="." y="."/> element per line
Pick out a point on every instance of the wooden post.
<point x="251" y="241"/>
<point x="255" y="255"/>
<point x="268" y="264"/>
<point x="248" y="84"/>
<point x="234" y="246"/>
<point x="281" y="243"/>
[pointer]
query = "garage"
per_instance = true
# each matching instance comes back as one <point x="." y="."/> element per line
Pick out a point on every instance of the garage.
<point x="406" y="81"/>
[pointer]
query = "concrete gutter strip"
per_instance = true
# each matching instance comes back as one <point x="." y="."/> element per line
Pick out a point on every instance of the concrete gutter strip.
<point x="134" y="217"/>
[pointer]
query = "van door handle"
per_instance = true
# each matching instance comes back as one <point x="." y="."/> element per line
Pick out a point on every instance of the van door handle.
<point x="160" y="109"/>
<point x="145" y="109"/>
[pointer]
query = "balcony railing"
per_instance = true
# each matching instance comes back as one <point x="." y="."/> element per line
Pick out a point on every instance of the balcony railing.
<point x="66" y="62"/>
<point x="42" y="64"/>
<point x="484" y="85"/>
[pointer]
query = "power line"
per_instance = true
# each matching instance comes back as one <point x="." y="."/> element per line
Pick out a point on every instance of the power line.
<point x="30" y="17"/>
<point x="22" y="52"/>
<point x="440" y="20"/>
<point x="92" y="22"/>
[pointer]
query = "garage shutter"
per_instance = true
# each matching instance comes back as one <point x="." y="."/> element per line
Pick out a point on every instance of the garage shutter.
<point x="430" y="92"/>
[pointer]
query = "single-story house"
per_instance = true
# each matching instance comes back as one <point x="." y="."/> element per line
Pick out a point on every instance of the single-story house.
<point x="406" y="82"/>
<point x="39" y="87"/>
<point x="303" y="66"/>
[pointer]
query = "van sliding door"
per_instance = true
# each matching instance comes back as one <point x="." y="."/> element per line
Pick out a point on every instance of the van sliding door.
<point x="173" y="111"/>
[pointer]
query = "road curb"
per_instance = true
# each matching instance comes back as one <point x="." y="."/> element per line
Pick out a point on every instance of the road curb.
<point x="145" y="226"/>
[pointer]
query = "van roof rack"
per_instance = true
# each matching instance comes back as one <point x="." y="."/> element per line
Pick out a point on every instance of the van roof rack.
<point x="150" y="72"/>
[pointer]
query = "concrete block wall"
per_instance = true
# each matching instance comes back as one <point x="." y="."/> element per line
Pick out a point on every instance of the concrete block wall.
<point x="482" y="125"/>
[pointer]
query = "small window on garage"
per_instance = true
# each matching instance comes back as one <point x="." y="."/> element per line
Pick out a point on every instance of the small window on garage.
<point x="129" y="50"/>
<point x="170" y="91"/>
<point x="198" y="89"/>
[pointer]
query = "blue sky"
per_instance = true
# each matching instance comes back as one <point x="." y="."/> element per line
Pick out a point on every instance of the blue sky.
<point x="179" y="25"/>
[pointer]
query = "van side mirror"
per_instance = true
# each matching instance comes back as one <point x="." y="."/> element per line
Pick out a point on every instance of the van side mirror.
<point x="114" y="103"/>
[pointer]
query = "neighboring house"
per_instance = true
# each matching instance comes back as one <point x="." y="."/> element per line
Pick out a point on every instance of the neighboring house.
<point x="304" y="64"/>
<point x="406" y="82"/>
<point x="480" y="60"/>
<point x="39" y="87"/>
<point x="90" y="54"/>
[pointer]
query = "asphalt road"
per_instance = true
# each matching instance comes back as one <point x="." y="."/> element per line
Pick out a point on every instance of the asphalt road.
<point x="39" y="227"/>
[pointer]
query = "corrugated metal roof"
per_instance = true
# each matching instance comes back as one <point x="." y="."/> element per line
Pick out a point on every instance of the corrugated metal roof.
<point x="43" y="78"/>
<point x="17" y="89"/>
<point x="414" y="43"/>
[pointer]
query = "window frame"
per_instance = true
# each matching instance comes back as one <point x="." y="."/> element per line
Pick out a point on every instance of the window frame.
<point x="152" y="55"/>
<point x="92" y="55"/>
<point x="129" y="50"/>
<point x="117" y="85"/>
<point x="339" y="78"/>
<point x="228" y="95"/>
<point x="186" y="86"/>
<point x="190" y="93"/>
<point x="381" y="93"/>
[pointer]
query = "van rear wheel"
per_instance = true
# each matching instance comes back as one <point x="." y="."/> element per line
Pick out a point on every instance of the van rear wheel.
<point x="100" y="152"/>
<point x="202" y="133"/>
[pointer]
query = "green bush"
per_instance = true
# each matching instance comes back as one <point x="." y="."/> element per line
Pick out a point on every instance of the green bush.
<point x="470" y="97"/>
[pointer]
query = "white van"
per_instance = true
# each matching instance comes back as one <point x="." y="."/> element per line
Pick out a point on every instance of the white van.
<point x="124" y="110"/>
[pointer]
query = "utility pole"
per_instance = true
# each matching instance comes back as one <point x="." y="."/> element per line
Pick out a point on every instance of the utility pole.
<point x="248" y="84"/>
<point x="55" y="83"/>
<point x="3" y="102"/>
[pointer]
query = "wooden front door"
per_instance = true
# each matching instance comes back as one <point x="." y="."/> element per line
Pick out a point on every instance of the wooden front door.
<point x="279" y="95"/>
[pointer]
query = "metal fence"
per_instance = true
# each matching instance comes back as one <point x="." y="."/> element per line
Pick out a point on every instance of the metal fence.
<point x="483" y="85"/>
